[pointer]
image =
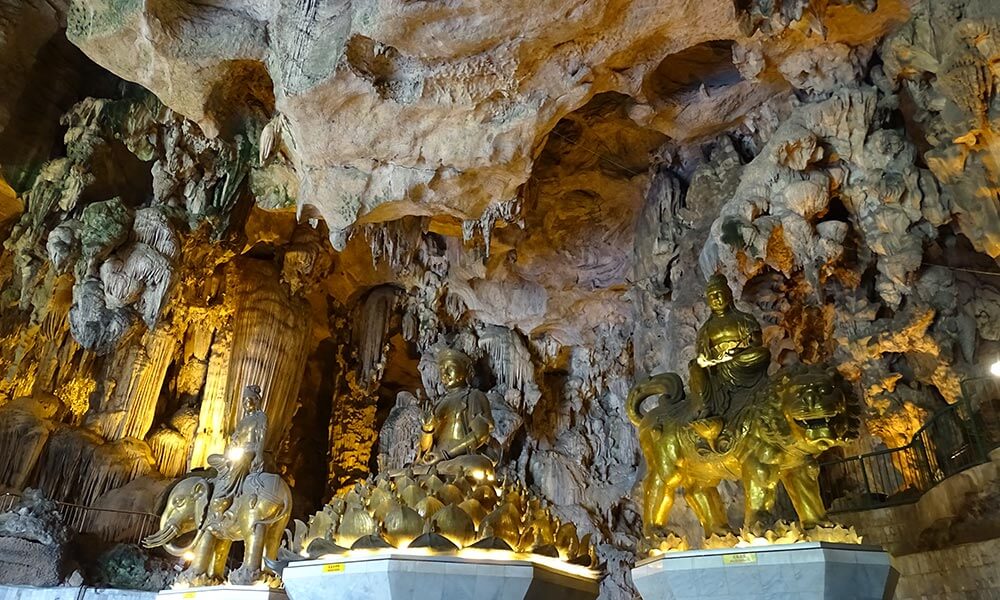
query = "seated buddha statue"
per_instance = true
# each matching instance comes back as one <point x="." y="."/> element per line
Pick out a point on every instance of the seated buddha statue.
<point x="456" y="431"/>
<point x="730" y="356"/>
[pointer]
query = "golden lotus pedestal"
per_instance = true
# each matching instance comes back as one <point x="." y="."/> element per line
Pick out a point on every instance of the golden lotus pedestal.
<point x="224" y="592"/>
<point x="800" y="571"/>
<point x="396" y="575"/>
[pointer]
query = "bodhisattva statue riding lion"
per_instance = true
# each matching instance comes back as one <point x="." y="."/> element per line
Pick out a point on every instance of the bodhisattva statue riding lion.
<point x="738" y="424"/>
<point x="241" y="503"/>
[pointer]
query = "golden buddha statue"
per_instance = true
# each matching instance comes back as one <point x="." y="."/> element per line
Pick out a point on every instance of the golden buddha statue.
<point x="456" y="431"/>
<point x="762" y="431"/>
<point x="448" y="498"/>
<point x="730" y="356"/>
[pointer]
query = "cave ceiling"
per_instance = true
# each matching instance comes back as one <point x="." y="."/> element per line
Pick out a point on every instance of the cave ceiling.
<point x="395" y="108"/>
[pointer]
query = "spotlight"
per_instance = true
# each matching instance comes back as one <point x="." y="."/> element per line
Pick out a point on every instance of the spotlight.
<point x="235" y="453"/>
<point x="995" y="368"/>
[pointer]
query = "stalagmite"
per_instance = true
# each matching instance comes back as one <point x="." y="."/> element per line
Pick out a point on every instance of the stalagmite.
<point x="270" y="345"/>
<point x="212" y="419"/>
<point x="130" y="410"/>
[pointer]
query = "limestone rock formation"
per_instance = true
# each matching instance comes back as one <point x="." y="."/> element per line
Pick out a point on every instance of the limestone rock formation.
<point x="944" y="61"/>
<point x="35" y="518"/>
<point x="32" y="540"/>
<point x="481" y="100"/>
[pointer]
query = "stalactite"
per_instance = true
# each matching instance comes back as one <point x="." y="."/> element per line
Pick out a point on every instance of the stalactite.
<point x="395" y="241"/>
<point x="130" y="409"/>
<point x="508" y="211"/>
<point x="25" y="424"/>
<point x="113" y="465"/>
<point x="373" y="326"/>
<point x="169" y="449"/>
<point x="78" y="466"/>
<point x="67" y="457"/>
<point x="510" y="358"/>
<point x="169" y="445"/>
<point x="211" y="436"/>
<point x="270" y="346"/>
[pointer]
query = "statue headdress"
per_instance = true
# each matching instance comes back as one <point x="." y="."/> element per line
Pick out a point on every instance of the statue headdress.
<point x="718" y="281"/>
<point x="456" y="356"/>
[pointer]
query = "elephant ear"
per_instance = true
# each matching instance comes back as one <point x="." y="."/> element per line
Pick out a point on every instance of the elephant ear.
<point x="199" y="493"/>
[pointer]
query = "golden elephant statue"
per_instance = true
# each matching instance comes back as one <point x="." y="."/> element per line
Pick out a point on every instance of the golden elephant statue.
<point x="774" y="435"/>
<point x="257" y="516"/>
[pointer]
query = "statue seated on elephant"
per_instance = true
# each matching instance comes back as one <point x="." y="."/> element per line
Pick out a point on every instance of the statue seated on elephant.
<point x="257" y="517"/>
<point x="240" y="502"/>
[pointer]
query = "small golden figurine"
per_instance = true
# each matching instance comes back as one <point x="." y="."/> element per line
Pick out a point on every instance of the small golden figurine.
<point x="773" y="428"/>
<point x="241" y="503"/>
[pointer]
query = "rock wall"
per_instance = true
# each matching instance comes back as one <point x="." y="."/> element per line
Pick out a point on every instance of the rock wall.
<point x="944" y="545"/>
<point x="318" y="196"/>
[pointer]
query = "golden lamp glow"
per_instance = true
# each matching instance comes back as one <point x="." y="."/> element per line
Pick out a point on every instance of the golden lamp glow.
<point x="995" y="368"/>
<point x="188" y="556"/>
<point x="474" y="554"/>
<point x="235" y="453"/>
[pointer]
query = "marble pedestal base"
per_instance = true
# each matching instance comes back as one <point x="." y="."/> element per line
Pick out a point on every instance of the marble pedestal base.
<point x="23" y="592"/>
<point x="392" y="576"/>
<point x="804" y="571"/>
<point x="223" y="592"/>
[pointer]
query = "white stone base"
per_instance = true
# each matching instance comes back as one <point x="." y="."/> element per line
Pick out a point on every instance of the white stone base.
<point x="804" y="571"/>
<point x="19" y="592"/>
<point x="396" y="576"/>
<point x="223" y="592"/>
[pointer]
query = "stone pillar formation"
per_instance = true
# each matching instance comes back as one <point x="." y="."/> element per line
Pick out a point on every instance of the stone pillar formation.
<point x="132" y="404"/>
<point x="269" y="347"/>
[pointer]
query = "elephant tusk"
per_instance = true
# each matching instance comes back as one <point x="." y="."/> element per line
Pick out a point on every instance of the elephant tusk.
<point x="161" y="537"/>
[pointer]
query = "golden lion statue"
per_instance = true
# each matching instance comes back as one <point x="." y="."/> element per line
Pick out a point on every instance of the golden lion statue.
<point x="773" y="435"/>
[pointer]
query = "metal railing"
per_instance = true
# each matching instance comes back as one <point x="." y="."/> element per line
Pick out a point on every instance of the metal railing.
<point x="956" y="438"/>
<point x="122" y="526"/>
